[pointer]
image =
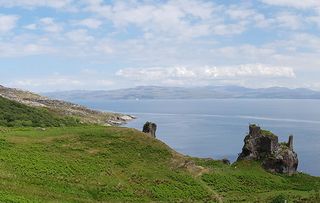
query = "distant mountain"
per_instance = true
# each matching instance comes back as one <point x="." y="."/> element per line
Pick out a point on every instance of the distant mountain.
<point x="208" y="92"/>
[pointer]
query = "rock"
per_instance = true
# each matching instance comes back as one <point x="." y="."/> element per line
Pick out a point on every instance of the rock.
<point x="261" y="145"/>
<point x="127" y="118"/>
<point x="226" y="161"/>
<point x="290" y="142"/>
<point x="41" y="129"/>
<point x="114" y="123"/>
<point x="258" y="144"/>
<point x="284" y="161"/>
<point x="150" y="128"/>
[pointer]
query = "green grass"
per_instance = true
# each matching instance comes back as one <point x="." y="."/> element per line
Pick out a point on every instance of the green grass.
<point x="268" y="133"/>
<point x="248" y="182"/>
<point x="14" y="114"/>
<point x="89" y="164"/>
<point x="109" y="164"/>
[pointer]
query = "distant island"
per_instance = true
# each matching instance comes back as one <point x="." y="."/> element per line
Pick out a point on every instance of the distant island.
<point x="207" y="92"/>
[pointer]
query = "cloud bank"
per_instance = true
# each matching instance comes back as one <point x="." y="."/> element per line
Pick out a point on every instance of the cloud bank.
<point x="185" y="74"/>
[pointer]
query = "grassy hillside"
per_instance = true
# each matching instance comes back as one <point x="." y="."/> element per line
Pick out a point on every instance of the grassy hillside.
<point x="109" y="164"/>
<point x="14" y="114"/>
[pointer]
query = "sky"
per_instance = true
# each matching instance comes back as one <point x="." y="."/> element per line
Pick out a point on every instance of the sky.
<point x="56" y="45"/>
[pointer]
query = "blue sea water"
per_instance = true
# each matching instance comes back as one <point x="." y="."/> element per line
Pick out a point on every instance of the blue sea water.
<point x="216" y="128"/>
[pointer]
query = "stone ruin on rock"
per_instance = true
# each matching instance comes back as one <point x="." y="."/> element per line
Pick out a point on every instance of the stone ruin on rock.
<point x="261" y="145"/>
<point x="150" y="128"/>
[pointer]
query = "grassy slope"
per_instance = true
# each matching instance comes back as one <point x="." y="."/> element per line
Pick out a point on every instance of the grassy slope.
<point x="14" y="114"/>
<point x="91" y="164"/>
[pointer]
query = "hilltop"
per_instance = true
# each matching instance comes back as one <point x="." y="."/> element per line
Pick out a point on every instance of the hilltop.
<point x="63" y="108"/>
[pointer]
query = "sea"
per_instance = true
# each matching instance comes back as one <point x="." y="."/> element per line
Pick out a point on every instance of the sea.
<point x="215" y="128"/>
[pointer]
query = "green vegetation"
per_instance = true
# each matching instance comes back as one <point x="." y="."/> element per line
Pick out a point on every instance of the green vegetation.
<point x="69" y="162"/>
<point x="112" y="164"/>
<point x="247" y="182"/>
<point x="14" y="114"/>
<point x="87" y="164"/>
<point x="268" y="133"/>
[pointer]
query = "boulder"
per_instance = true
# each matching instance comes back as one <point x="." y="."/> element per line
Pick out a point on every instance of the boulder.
<point x="150" y="128"/>
<point x="226" y="161"/>
<point x="262" y="145"/>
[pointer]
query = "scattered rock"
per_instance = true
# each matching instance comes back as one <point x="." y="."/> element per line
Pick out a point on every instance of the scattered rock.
<point x="182" y="162"/>
<point x="41" y="129"/>
<point x="114" y="123"/>
<point x="150" y="128"/>
<point x="261" y="145"/>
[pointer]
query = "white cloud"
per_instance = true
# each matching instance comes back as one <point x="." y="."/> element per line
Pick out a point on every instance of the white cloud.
<point x="36" y="3"/>
<point x="288" y="20"/>
<point x="32" y="26"/>
<point x="105" y="83"/>
<point x="184" y="74"/>
<point x="80" y="36"/>
<point x="300" y="4"/>
<point x="14" y="49"/>
<point x="238" y="13"/>
<point x="90" y="23"/>
<point x="246" y="52"/>
<point x="314" y="19"/>
<point x="49" y="25"/>
<point x="179" y="19"/>
<point x="97" y="6"/>
<point x="51" y="81"/>
<point x="104" y="48"/>
<point x="57" y="81"/>
<point x="7" y="22"/>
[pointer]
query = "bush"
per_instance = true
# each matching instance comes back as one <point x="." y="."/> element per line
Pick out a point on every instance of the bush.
<point x="279" y="199"/>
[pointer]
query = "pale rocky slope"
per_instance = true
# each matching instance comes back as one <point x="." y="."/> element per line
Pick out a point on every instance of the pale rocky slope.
<point x="64" y="108"/>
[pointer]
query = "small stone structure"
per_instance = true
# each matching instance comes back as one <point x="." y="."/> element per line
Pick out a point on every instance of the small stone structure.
<point x="150" y="128"/>
<point x="261" y="145"/>
<point x="290" y="142"/>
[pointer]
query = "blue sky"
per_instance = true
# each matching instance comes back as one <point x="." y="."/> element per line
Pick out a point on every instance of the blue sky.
<point x="49" y="45"/>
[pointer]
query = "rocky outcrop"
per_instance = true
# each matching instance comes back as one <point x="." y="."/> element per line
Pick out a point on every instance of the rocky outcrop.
<point x="261" y="145"/>
<point x="150" y="128"/>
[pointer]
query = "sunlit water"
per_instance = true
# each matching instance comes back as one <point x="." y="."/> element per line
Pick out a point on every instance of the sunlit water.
<point x="216" y="128"/>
